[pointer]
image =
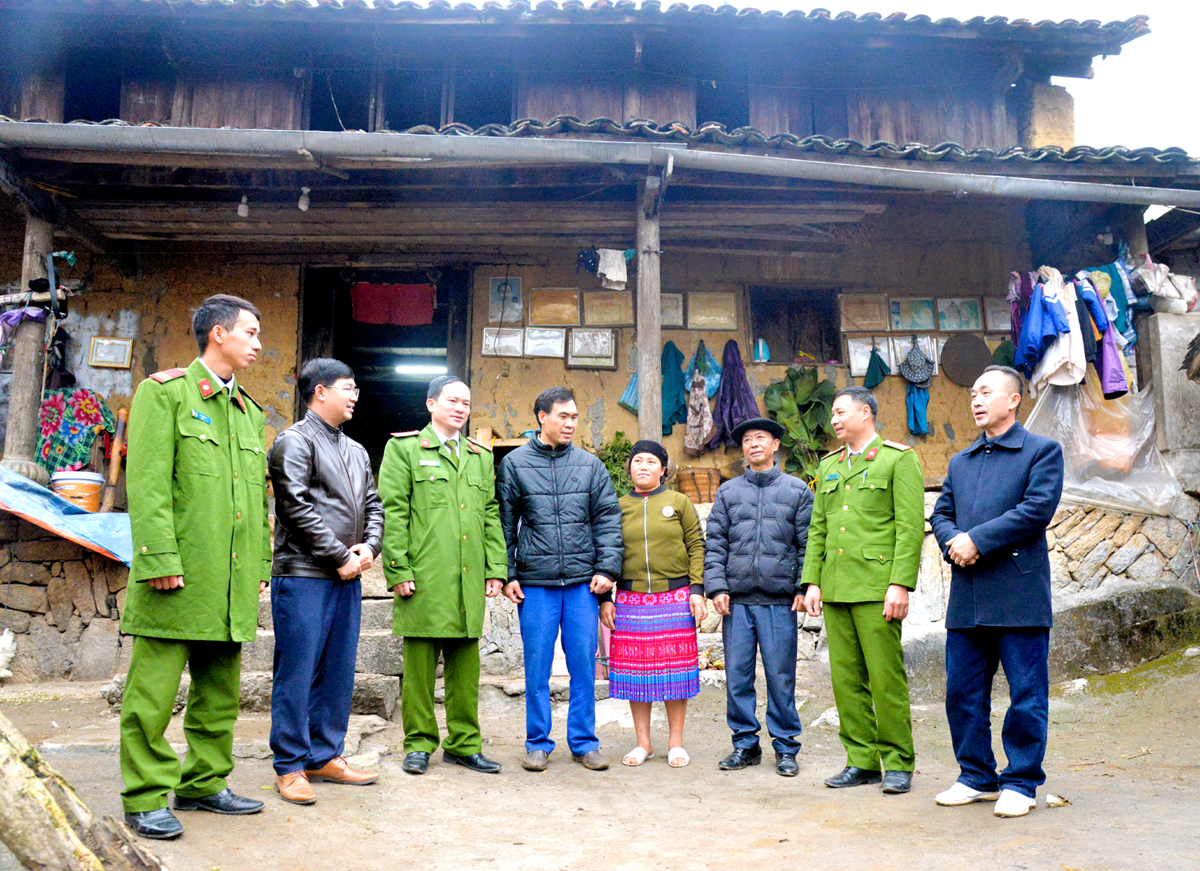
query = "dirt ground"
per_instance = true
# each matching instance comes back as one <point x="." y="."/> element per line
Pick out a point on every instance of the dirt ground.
<point x="1124" y="749"/>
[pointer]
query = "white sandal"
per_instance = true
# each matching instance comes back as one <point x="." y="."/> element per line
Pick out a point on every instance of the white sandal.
<point x="677" y="757"/>
<point x="637" y="756"/>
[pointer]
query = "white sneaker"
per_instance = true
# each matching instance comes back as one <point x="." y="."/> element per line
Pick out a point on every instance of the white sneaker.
<point x="1013" y="804"/>
<point x="961" y="794"/>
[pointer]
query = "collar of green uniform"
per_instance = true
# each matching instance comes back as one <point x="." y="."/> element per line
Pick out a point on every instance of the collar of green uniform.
<point x="199" y="372"/>
<point x="429" y="434"/>
<point x="876" y="443"/>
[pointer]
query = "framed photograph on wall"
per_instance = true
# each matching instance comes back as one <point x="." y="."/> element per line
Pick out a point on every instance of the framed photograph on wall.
<point x="863" y="312"/>
<point x="608" y="308"/>
<point x="999" y="314"/>
<point x="504" y="301"/>
<point x="858" y="353"/>
<point x="591" y="349"/>
<point x="554" y="307"/>
<point x="913" y="315"/>
<point x="545" y="342"/>
<point x="503" y="342"/>
<point x="960" y="315"/>
<point x="672" y="311"/>
<point x="901" y="345"/>
<point x="712" y="311"/>
<point x="107" y="353"/>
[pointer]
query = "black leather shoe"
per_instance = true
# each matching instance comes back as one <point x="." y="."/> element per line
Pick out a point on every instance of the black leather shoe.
<point x="161" y="825"/>
<point x="785" y="765"/>
<point x="223" y="802"/>
<point x="851" y="776"/>
<point x="475" y="762"/>
<point x="897" y="782"/>
<point x="416" y="762"/>
<point x="741" y="758"/>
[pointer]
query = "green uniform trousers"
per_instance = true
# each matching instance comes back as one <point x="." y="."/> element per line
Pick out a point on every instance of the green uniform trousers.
<point x="870" y="686"/>
<point x="149" y="767"/>
<point x="461" y="675"/>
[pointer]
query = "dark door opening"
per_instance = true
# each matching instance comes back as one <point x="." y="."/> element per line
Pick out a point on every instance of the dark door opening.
<point x="392" y="364"/>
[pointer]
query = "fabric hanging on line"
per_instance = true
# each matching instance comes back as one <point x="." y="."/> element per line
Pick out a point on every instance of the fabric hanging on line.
<point x="674" y="394"/>
<point x="877" y="370"/>
<point x="735" y="399"/>
<point x="1005" y="354"/>
<point x="400" y="305"/>
<point x="1117" y="283"/>
<point x="10" y="320"/>
<point x="1020" y="295"/>
<point x="709" y="368"/>
<point x="1110" y="367"/>
<point x="629" y="399"/>
<point x="611" y="268"/>
<point x="68" y="423"/>
<point x="917" y="403"/>
<point x="699" y="419"/>
<point x="1091" y="348"/>
<point x="1043" y="322"/>
<point x="1063" y="363"/>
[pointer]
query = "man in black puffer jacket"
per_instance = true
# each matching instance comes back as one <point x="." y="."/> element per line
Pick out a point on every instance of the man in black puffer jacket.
<point x="562" y="523"/>
<point x="753" y="557"/>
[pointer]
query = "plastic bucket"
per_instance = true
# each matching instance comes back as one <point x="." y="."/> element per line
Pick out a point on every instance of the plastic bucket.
<point x="82" y="488"/>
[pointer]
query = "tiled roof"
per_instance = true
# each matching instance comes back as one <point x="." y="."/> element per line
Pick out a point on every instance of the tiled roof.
<point x="748" y="137"/>
<point x="1113" y="32"/>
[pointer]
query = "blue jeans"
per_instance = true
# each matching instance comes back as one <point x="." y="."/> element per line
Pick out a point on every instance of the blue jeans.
<point x="576" y="611"/>
<point x="316" y="644"/>
<point x="972" y="656"/>
<point x="771" y="630"/>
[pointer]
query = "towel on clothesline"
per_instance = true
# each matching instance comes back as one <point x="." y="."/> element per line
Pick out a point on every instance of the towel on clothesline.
<point x="611" y="268"/>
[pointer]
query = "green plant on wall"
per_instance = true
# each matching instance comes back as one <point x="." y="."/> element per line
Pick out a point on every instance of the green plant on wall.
<point x="613" y="454"/>
<point x="802" y="403"/>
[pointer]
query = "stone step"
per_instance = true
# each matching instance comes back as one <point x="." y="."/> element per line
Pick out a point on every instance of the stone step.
<point x="376" y="613"/>
<point x="379" y="652"/>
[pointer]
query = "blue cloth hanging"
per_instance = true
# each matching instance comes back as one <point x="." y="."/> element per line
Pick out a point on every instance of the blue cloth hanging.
<point x="674" y="394"/>
<point x="710" y="370"/>
<point x="629" y="399"/>
<point x="917" y="402"/>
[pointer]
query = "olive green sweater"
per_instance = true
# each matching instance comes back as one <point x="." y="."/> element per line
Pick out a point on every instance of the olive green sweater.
<point x="663" y="542"/>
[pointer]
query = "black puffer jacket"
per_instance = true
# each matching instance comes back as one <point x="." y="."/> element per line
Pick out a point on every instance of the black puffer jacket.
<point x="756" y="535"/>
<point x="560" y="514"/>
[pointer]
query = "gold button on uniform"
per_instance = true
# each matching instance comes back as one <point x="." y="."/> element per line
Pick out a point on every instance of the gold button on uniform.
<point x="872" y="486"/>
<point x="839" y="550"/>
<point x="235" y="474"/>
<point x="845" y="507"/>
<point x="256" y="449"/>
<point x="235" y="555"/>
<point x="203" y="436"/>
<point x="463" y="505"/>
<point x="145" y="549"/>
<point x="847" y="486"/>
<point x="431" y="477"/>
<point x="238" y="516"/>
<point x="843" y="529"/>
<point x="464" y="538"/>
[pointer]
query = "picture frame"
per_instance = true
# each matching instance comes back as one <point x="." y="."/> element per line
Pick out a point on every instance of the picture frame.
<point x="591" y="349"/>
<point x="110" y="353"/>
<point x="998" y="313"/>
<point x="503" y="342"/>
<point x="545" y="342"/>
<point x="960" y="314"/>
<point x="858" y="353"/>
<point x="504" y="300"/>
<point x="608" y="308"/>
<point x="712" y="311"/>
<point x="913" y="315"/>
<point x="672" y="311"/>
<point x="901" y="345"/>
<point x="864" y="312"/>
<point x="553" y="307"/>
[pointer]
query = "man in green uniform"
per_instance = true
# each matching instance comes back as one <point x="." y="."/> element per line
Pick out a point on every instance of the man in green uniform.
<point x="864" y="551"/>
<point x="443" y="552"/>
<point x="201" y="556"/>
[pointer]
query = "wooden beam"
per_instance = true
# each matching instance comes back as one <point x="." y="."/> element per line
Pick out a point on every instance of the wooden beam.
<point x="41" y="205"/>
<point x="649" y="311"/>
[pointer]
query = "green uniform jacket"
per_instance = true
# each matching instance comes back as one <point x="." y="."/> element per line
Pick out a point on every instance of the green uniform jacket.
<point x="196" y="477"/>
<point x="868" y="523"/>
<point x="441" y="530"/>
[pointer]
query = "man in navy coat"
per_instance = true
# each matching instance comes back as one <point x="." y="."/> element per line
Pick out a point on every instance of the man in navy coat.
<point x="990" y="522"/>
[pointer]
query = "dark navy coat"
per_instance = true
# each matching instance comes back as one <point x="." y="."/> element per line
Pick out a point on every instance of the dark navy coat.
<point x="1003" y="495"/>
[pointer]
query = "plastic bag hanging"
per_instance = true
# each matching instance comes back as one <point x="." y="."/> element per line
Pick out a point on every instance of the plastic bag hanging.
<point x="709" y="368"/>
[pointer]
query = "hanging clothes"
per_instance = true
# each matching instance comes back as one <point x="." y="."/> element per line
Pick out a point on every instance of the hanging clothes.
<point x="1091" y="347"/>
<point x="674" y="395"/>
<point x="1045" y="319"/>
<point x="1020" y="294"/>
<point x="1117" y="288"/>
<point x="709" y="368"/>
<point x="699" y="419"/>
<point x="610" y="266"/>
<point x="400" y="305"/>
<point x="68" y="422"/>
<point x="735" y="399"/>
<point x="877" y="370"/>
<point x="1064" y="362"/>
<point x="1110" y="367"/>
<point x="629" y="399"/>
<point x="1005" y="354"/>
<point x="917" y="403"/>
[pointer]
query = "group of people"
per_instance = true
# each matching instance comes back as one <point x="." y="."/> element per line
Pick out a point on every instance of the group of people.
<point x="548" y="531"/>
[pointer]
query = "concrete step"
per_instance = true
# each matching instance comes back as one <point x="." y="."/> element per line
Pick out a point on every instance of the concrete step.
<point x="379" y="652"/>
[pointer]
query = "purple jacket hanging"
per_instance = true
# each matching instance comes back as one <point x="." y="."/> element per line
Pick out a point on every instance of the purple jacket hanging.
<point x="735" y="399"/>
<point x="1109" y="368"/>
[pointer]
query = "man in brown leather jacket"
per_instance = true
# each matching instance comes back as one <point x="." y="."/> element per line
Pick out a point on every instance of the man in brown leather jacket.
<point x="328" y="529"/>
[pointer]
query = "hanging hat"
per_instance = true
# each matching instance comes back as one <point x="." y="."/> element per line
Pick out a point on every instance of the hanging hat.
<point x="916" y="368"/>
<point x="765" y="424"/>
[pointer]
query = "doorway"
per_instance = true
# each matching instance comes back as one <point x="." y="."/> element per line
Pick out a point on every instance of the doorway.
<point x="392" y="364"/>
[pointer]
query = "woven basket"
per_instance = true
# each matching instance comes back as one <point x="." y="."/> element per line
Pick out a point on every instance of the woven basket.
<point x="699" y="485"/>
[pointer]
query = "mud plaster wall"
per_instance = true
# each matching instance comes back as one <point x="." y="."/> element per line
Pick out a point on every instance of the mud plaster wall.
<point x="917" y="247"/>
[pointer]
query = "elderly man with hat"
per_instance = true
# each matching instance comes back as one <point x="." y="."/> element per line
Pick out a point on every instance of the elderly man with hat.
<point x="754" y="555"/>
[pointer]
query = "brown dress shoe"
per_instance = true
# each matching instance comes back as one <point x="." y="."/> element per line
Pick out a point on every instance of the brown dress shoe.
<point x="592" y="760"/>
<point x="337" y="771"/>
<point x="294" y="787"/>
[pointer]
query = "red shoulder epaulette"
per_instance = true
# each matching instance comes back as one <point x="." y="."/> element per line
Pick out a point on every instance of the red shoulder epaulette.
<point x="486" y="447"/>
<point x="168" y="375"/>
<point x="411" y="432"/>
<point x="897" y="445"/>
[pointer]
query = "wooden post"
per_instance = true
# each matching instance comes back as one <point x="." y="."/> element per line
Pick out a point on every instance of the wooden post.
<point x="25" y="396"/>
<point x="649" y="312"/>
